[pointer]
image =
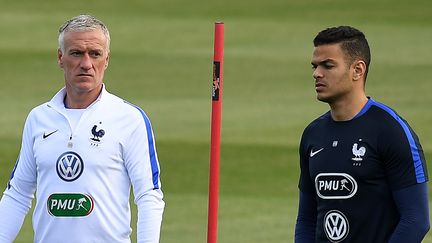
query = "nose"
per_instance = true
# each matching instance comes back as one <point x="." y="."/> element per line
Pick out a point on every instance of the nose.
<point x="317" y="73"/>
<point x="86" y="63"/>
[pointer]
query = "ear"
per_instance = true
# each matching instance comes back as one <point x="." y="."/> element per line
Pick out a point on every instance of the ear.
<point x="359" y="70"/>
<point x="59" y="58"/>
<point x="107" y="60"/>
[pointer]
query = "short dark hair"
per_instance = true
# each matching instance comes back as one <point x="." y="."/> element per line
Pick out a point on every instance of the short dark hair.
<point x="353" y="43"/>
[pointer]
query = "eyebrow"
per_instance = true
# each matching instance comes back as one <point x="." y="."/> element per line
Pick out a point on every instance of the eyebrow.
<point x="81" y="50"/>
<point x="323" y="61"/>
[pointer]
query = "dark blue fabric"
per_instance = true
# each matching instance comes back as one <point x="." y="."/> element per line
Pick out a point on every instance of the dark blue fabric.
<point x="306" y="219"/>
<point x="417" y="158"/>
<point x="412" y="204"/>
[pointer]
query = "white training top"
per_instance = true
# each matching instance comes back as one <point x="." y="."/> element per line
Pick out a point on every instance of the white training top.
<point x="82" y="176"/>
<point x="74" y="115"/>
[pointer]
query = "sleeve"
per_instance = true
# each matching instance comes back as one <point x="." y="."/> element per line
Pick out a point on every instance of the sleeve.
<point x="403" y="156"/>
<point x="12" y="215"/>
<point x="413" y="207"/>
<point x="16" y="200"/>
<point x="305" y="182"/>
<point x="306" y="219"/>
<point x="150" y="210"/>
<point x="143" y="168"/>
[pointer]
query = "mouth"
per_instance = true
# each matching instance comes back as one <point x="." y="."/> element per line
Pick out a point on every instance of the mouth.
<point x="84" y="75"/>
<point x="319" y="86"/>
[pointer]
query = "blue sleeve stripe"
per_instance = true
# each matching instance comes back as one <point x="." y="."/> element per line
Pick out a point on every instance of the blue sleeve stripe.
<point x="152" y="150"/>
<point x="369" y="103"/>
<point x="13" y="172"/>
<point x="418" y="164"/>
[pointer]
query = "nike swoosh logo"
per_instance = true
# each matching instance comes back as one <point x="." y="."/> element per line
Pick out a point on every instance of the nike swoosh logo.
<point x="312" y="153"/>
<point x="49" y="134"/>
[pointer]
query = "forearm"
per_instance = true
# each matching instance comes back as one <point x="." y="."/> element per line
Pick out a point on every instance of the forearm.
<point x="412" y="203"/>
<point x="150" y="211"/>
<point x="12" y="215"/>
<point x="306" y="219"/>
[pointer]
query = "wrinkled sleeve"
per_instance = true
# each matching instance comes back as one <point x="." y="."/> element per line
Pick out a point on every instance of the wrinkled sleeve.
<point x="407" y="175"/>
<point x="16" y="200"/>
<point x="413" y="207"/>
<point x="307" y="212"/>
<point x="306" y="219"/>
<point x="143" y="168"/>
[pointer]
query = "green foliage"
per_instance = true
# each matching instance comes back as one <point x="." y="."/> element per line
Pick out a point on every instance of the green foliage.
<point x="161" y="60"/>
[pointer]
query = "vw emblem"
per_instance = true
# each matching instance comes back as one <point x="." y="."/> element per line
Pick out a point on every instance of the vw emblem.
<point x="336" y="226"/>
<point x="69" y="166"/>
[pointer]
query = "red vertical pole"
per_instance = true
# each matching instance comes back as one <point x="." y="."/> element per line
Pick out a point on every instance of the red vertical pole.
<point x="215" y="132"/>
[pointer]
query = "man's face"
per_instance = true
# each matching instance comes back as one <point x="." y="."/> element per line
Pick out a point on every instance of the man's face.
<point x="332" y="73"/>
<point x="84" y="60"/>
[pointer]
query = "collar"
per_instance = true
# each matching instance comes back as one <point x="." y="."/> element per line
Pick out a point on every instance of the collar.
<point x="365" y="108"/>
<point x="57" y="102"/>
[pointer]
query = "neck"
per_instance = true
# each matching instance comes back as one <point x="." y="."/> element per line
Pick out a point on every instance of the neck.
<point x="345" y="110"/>
<point x="78" y="100"/>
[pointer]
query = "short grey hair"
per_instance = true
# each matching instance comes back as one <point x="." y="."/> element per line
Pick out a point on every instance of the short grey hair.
<point x="82" y="23"/>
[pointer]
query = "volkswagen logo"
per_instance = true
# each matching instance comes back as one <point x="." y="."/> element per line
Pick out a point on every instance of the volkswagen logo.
<point x="69" y="166"/>
<point x="336" y="226"/>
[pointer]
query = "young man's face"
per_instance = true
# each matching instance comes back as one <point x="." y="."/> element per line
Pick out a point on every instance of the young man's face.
<point x="331" y="72"/>
<point x="84" y="60"/>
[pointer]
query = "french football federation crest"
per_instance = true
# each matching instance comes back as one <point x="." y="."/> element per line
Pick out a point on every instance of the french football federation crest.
<point x="97" y="134"/>
<point x="358" y="152"/>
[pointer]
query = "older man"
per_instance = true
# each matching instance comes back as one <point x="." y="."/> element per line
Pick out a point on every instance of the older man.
<point x="81" y="152"/>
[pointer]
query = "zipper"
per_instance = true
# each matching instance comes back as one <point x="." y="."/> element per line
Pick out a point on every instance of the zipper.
<point x="70" y="144"/>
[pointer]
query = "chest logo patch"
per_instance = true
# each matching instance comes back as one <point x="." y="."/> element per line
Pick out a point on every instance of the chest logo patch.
<point x="70" y="204"/>
<point x="45" y="135"/>
<point x="69" y="166"/>
<point x="313" y="153"/>
<point x="358" y="152"/>
<point x="336" y="226"/>
<point x="335" y="186"/>
<point x="97" y="134"/>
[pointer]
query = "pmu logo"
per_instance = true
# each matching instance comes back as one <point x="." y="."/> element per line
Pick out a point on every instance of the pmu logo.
<point x="336" y="226"/>
<point x="69" y="166"/>
<point x="70" y="204"/>
<point x="335" y="186"/>
<point x="216" y="80"/>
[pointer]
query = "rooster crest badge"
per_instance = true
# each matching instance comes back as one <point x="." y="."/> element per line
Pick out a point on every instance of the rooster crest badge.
<point x="97" y="133"/>
<point x="358" y="152"/>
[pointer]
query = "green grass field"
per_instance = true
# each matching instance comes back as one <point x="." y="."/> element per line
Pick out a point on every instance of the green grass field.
<point x="161" y="60"/>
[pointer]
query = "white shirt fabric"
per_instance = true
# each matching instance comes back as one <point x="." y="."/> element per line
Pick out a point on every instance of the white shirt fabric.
<point x="74" y="115"/>
<point x="115" y="145"/>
